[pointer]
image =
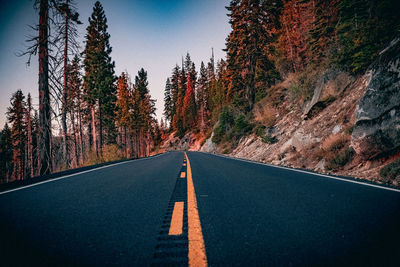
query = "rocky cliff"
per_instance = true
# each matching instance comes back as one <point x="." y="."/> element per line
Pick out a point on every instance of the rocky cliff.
<point x="350" y="127"/>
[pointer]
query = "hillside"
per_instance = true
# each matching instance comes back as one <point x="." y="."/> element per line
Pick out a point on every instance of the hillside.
<point x="323" y="93"/>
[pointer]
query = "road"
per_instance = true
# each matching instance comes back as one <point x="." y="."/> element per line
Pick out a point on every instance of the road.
<point x="205" y="210"/>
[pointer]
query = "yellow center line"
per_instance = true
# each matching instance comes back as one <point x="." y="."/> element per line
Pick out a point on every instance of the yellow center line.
<point x="182" y="174"/>
<point x="184" y="164"/>
<point x="197" y="251"/>
<point x="177" y="219"/>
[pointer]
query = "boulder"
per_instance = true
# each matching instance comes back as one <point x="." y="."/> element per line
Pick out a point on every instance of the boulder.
<point x="377" y="126"/>
<point x="328" y="86"/>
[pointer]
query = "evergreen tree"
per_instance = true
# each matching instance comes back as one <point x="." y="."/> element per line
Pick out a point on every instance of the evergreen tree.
<point x="177" y="123"/>
<point x="323" y="29"/>
<point x="75" y="107"/>
<point x="365" y="26"/>
<point x="144" y="110"/>
<point x="202" y="96"/>
<point x="189" y="105"/>
<point x="124" y="109"/>
<point x="174" y="93"/>
<point x="100" y="91"/>
<point x="6" y="154"/>
<point x="29" y="143"/>
<point x="16" y="116"/>
<point x="168" y="100"/>
<point x="253" y="23"/>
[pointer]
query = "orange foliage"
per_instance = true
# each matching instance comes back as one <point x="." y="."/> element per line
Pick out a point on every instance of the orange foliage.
<point x="297" y="20"/>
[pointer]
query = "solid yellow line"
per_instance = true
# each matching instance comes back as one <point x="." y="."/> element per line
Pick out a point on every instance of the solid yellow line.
<point x="177" y="219"/>
<point x="197" y="251"/>
<point x="182" y="174"/>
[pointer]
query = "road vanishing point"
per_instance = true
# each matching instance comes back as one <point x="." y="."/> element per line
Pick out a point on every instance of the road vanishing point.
<point x="198" y="209"/>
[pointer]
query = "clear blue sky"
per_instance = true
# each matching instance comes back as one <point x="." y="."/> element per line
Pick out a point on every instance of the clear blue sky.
<point x="144" y="33"/>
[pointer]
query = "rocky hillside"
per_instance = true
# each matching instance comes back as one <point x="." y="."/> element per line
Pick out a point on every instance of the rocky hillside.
<point x="350" y="127"/>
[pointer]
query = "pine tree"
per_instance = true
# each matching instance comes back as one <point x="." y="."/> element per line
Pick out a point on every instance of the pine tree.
<point x="29" y="144"/>
<point x="16" y="116"/>
<point x="6" y="154"/>
<point x="323" y="33"/>
<point x="75" y="107"/>
<point x="168" y="100"/>
<point x="124" y="109"/>
<point x="143" y="113"/>
<point x="297" y="21"/>
<point x="364" y="28"/>
<point x="189" y="105"/>
<point x="202" y="97"/>
<point x="253" y="23"/>
<point x="174" y="94"/>
<point x="100" y="91"/>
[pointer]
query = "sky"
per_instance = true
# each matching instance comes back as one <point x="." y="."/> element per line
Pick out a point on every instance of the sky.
<point x="149" y="34"/>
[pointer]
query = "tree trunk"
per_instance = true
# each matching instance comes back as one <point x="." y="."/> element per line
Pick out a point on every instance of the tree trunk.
<point x="93" y="128"/>
<point x="100" y="128"/>
<point x="45" y="164"/>
<point x="30" y="142"/>
<point x="250" y="90"/>
<point x="125" y="143"/>
<point x="65" y="92"/>
<point x="82" y="156"/>
<point x="75" y="138"/>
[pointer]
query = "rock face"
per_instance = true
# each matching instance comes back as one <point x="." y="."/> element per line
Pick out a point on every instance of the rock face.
<point x="377" y="128"/>
<point x="330" y="84"/>
<point x="208" y="146"/>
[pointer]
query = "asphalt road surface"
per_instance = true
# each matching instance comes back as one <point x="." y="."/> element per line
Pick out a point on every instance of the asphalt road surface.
<point x="213" y="210"/>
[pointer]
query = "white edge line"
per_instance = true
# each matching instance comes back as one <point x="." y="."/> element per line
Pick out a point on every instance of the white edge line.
<point x="78" y="173"/>
<point x="306" y="172"/>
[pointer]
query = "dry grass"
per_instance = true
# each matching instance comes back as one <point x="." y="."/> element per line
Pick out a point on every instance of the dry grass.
<point x="335" y="142"/>
<point x="110" y="153"/>
<point x="336" y="151"/>
<point x="265" y="113"/>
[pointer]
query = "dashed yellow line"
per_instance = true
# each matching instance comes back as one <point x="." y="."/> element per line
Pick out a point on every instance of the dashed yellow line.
<point x="197" y="251"/>
<point x="177" y="219"/>
<point x="182" y="174"/>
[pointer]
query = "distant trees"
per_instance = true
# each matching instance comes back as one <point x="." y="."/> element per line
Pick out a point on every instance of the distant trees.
<point x="135" y="116"/>
<point x="364" y="27"/>
<point x="254" y="24"/>
<point x="16" y="117"/>
<point x="99" y="80"/>
<point x="6" y="154"/>
<point x="191" y="99"/>
<point x="270" y="40"/>
<point x="92" y="106"/>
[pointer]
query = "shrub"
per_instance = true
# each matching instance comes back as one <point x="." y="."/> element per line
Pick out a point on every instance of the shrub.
<point x="391" y="171"/>
<point x="218" y="134"/>
<point x="242" y="126"/>
<point x="334" y="142"/>
<point x="111" y="153"/>
<point x="259" y="130"/>
<point x="341" y="159"/>
<point x="226" y="118"/>
<point x="225" y="123"/>
<point x="269" y="139"/>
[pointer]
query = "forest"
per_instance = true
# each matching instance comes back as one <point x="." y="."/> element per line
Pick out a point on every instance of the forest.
<point x="271" y="42"/>
<point x="101" y="117"/>
<point x="87" y="115"/>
